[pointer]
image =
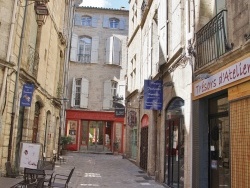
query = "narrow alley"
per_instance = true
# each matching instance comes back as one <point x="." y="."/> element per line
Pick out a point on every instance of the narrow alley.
<point x="101" y="170"/>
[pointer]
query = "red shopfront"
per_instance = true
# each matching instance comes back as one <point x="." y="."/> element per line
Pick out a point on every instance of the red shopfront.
<point x="95" y="131"/>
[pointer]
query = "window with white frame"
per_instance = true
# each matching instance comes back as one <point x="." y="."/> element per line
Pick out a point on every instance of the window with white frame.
<point x="84" y="49"/>
<point x="113" y="88"/>
<point x="133" y="73"/>
<point x="84" y="55"/>
<point x="80" y="93"/>
<point x="114" y="23"/>
<point x="86" y="21"/>
<point x="77" y="92"/>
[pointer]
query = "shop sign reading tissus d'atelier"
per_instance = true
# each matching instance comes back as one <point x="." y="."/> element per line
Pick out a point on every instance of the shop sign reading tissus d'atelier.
<point x="226" y="76"/>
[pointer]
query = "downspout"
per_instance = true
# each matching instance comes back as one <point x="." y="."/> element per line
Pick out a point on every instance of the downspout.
<point x="13" y="114"/>
<point x="8" y="54"/>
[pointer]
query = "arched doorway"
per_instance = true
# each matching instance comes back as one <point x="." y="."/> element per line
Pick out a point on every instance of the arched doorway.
<point x="174" y="140"/>
<point x="144" y="143"/>
<point x="36" y="121"/>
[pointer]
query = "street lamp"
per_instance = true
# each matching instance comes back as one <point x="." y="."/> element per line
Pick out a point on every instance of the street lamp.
<point x="41" y="12"/>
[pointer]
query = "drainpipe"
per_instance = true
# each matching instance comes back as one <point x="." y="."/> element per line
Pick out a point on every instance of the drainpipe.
<point x="8" y="54"/>
<point x="13" y="114"/>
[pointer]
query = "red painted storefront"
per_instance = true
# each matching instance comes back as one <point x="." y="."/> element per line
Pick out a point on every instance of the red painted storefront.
<point x="95" y="131"/>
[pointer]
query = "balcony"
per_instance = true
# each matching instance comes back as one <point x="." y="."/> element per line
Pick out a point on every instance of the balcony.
<point x="84" y="58"/>
<point x="33" y="60"/>
<point x="212" y="41"/>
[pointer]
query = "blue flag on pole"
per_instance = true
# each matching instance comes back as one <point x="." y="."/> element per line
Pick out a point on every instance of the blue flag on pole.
<point x="27" y="94"/>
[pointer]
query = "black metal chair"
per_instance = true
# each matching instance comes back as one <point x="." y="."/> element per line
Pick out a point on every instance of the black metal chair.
<point x="33" y="178"/>
<point x="61" y="180"/>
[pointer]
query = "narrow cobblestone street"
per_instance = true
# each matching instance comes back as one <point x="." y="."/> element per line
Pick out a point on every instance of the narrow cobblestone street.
<point x="102" y="170"/>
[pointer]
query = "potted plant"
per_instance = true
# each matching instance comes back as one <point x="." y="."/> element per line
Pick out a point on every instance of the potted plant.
<point x="116" y="147"/>
<point x="64" y="141"/>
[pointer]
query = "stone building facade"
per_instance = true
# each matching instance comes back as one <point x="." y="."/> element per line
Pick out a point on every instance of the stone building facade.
<point x="96" y="83"/>
<point x="201" y="51"/>
<point x="221" y="94"/>
<point x="160" y="139"/>
<point x="32" y="55"/>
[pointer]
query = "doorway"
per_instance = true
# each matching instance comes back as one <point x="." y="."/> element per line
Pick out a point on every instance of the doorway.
<point x="174" y="144"/>
<point x="133" y="134"/>
<point x="175" y="153"/>
<point x="36" y="120"/>
<point x="96" y="135"/>
<point x="219" y="143"/>
<point x="144" y="148"/>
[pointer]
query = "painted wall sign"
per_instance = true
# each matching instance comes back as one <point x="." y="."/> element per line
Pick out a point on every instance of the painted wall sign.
<point x="233" y="73"/>
<point x="153" y="94"/>
<point x="27" y="94"/>
<point x="132" y="119"/>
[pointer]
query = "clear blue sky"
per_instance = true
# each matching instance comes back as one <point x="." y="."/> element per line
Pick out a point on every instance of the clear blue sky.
<point x="117" y="4"/>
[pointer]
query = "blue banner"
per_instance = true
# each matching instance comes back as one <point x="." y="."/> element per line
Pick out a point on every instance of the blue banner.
<point x="153" y="94"/>
<point x="27" y="94"/>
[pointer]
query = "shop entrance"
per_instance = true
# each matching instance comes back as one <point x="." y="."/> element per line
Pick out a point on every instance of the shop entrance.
<point x="219" y="143"/>
<point x="133" y="134"/>
<point x="144" y="148"/>
<point x="96" y="135"/>
<point x="174" y="135"/>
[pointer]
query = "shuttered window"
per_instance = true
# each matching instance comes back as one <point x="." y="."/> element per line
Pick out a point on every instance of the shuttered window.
<point x="84" y="49"/>
<point x="113" y="23"/>
<point x="80" y="93"/>
<point x="77" y="92"/>
<point x="86" y="21"/>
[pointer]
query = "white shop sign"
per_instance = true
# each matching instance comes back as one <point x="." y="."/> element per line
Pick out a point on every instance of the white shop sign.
<point x="29" y="155"/>
<point x="233" y="73"/>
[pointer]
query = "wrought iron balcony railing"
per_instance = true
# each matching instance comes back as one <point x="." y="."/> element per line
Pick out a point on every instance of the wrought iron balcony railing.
<point x="33" y="60"/>
<point x="84" y="58"/>
<point x="211" y="40"/>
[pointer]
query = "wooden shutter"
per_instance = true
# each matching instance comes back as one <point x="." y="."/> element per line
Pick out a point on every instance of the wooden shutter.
<point x="176" y="26"/>
<point x="109" y="45"/>
<point x="107" y="98"/>
<point x="149" y="54"/>
<point x="94" y="49"/>
<point x="105" y="23"/>
<point x="94" y="21"/>
<point x="73" y="95"/>
<point x="162" y="30"/>
<point x="78" y="19"/>
<point x="84" y="93"/>
<point x="74" y="47"/>
<point x="116" y="51"/>
<point x="122" y="24"/>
